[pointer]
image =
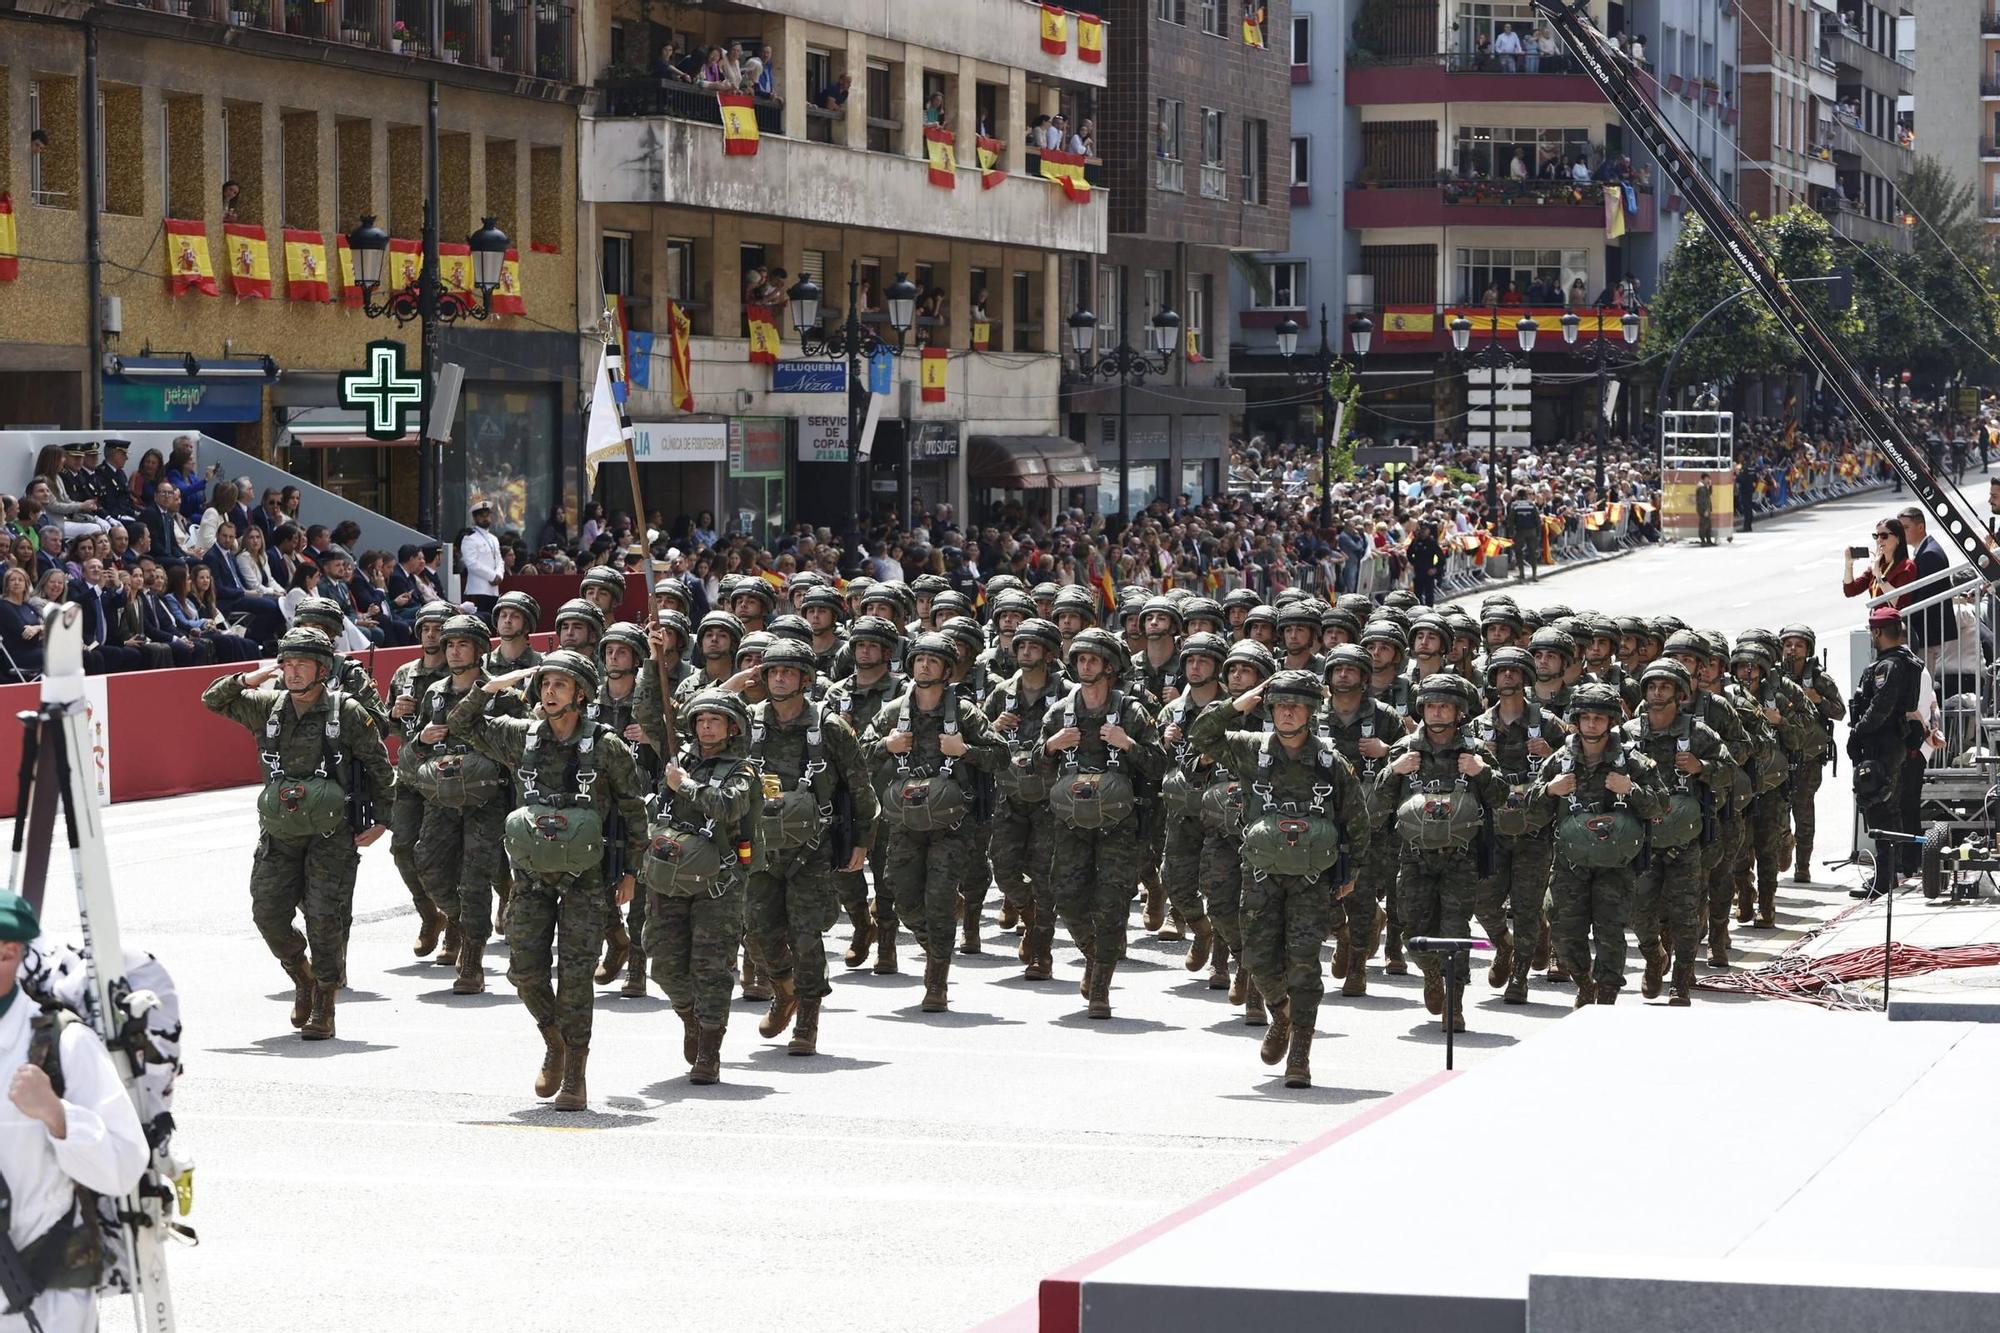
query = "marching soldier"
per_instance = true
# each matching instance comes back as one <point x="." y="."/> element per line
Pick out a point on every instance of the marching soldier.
<point x="1098" y="745"/>
<point x="1154" y="673"/>
<point x="1430" y="638"/>
<point x="821" y="607"/>
<point x="314" y="814"/>
<point x="1023" y="829"/>
<point x="406" y="808"/>
<point x="1386" y="644"/>
<point x="803" y="754"/>
<point x="466" y="796"/>
<point x="1362" y="728"/>
<point x="1183" y="787"/>
<point x="874" y="646"/>
<point x="1777" y="708"/>
<point x="1305" y="820"/>
<point x="670" y="636"/>
<point x="324" y="616"/>
<point x="753" y="602"/>
<point x="1076" y="611"/>
<point x="604" y="588"/>
<point x="1669" y="902"/>
<point x="579" y="625"/>
<point x="628" y="701"/>
<point x="916" y="745"/>
<point x="715" y="642"/>
<point x="1597" y="791"/>
<point x="1440" y="780"/>
<point x="516" y="615"/>
<point x="697" y="855"/>
<point x="1248" y="665"/>
<point x="1521" y="734"/>
<point x="1298" y="632"/>
<point x="1554" y="654"/>
<point x="1801" y="663"/>
<point x="1712" y="705"/>
<point x="572" y="773"/>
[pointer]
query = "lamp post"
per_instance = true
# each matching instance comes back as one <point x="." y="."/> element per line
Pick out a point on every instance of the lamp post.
<point x="426" y="299"/>
<point x="1495" y="358"/>
<point x="1360" y="335"/>
<point x="856" y="343"/>
<point x="1603" y="354"/>
<point x="1128" y="367"/>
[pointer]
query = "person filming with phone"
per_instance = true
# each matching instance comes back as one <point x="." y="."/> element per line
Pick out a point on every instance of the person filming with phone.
<point x="1888" y="562"/>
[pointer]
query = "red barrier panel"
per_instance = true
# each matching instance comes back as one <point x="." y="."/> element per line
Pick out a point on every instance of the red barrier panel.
<point x="550" y="591"/>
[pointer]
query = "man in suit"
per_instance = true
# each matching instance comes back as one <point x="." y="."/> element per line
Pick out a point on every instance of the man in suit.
<point x="270" y="514"/>
<point x="337" y="568"/>
<point x="170" y="531"/>
<point x="1936" y="626"/>
<point x="159" y="622"/>
<point x="284" y="552"/>
<point x="128" y="623"/>
<point x="266" y="619"/>
<point x="317" y="540"/>
<point x="106" y="646"/>
<point x="239" y="513"/>
<point x="410" y="585"/>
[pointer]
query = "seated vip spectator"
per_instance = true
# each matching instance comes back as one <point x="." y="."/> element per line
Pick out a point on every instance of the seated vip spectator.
<point x="162" y="628"/>
<point x="73" y="516"/>
<point x="107" y="645"/>
<point x="269" y="515"/>
<point x="253" y="567"/>
<point x="410" y="584"/>
<point x="370" y="590"/>
<point x="338" y="568"/>
<point x="184" y="476"/>
<point x="169" y="530"/>
<point x="151" y="472"/>
<point x="318" y="538"/>
<point x="49" y="554"/>
<point x="20" y="626"/>
<point x="262" y="617"/>
<point x="287" y="552"/>
<point x="192" y="587"/>
<point x="222" y="503"/>
<point x="346" y="533"/>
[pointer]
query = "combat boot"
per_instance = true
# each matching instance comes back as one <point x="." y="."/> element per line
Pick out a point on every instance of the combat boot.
<point x="1745" y="899"/>
<point x="1767" y="907"/>
<point x="302" y="989"/>
<point x="885" y="951"/>
<point x="573" y="1096"/>
<point x="1040" y="942"/>
<point x="1279" y="1035"/>
<point x="1156" y="905"/>
<point x="1802" y="863"/>
<point x="1356" y="982"/>
<point x="1176" y="927"/>
<point x="1201" y="945"/>
<point x="1392" y="953"/>
<point x="968" y="922"/>
<point x="1517" y="988"/>
<point x="617" y="945"/>
<point x="1218" y="967"/>
<point x="1785" y="846"/>
<point x="550" y="1078"/>
<point x="635" y="977"/>
<point x="1239" y="989"/>
<point x="1656" y="970"/>
<point x="1341" y="953"/>
<point x="1605" y="994"/>
<point x="1298" y="1069"/>
<point x="471" y="979"/>
<point x="756" y="986"/>
<point x="1254" y="1015"/>
<point x="805" y="1032"/>
<point x="1503" y="960"/>
<point x="447" y="954"/>
<point x="1433" y="991"/>
<point x="1025" y="950"/>
<point x="937" y="971"/>
<point x="319" y="1024"/>
<point x="708" y="1055"/>
<point x="1584" y="993"/>
<point x="1557" y="972"/>
<point x="1682" y="987"/>
<point x="1009" y="917"/>
<point x="1375" y="929"/>
<point x="1540" y="961"/>
<point x="1718" y="944"/>
<point x="430" y="924"/>
<point x="784" y="1003"/>
<point x="864" y="939"/>
<point x="1100" y="991"/>
<point x="690" y="1035"/>
<point x="1456" y="1006"/>
<point x="504" y="892"/>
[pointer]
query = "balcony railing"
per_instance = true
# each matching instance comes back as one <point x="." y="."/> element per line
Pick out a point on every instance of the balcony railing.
<point x="1989" y="23"/>
<point x="1989" y="85"/>
<point x="1167" y="174"/>
<point x="1214" y="181"/>
<point x="631" y="94"/>
<point x="1471" y="62"/>
<point x="1989" y="149"/>
<point x="1456" y="189"/>
<point x="529" y="37"/>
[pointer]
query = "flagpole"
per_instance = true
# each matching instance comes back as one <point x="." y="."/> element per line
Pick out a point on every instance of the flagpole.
<point x="614" y="356"/>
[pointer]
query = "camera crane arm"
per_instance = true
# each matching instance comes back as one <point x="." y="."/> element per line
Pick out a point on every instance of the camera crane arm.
<point x="1620" y="81"/>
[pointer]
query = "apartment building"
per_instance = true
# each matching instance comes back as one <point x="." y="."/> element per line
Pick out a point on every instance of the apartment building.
<point x="232" y="125"/>
<point x="1958" y="92"/>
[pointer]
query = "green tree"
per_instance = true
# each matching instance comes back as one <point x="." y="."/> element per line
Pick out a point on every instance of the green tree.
<point x="1696" y="275"/>
<point x="1945" y="281"/>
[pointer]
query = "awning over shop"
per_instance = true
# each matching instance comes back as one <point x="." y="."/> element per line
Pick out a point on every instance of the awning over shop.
<point x="334" y="428"/>
<point x="1031" y="462"/>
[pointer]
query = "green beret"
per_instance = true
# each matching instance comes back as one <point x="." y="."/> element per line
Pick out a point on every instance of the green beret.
<point x="17" y="919"/>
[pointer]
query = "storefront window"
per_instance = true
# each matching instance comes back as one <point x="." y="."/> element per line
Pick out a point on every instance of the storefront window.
<point x="754" y="493"/>
<point x="1194" y="480"/>
<point x="507" y="456"/>
<point x="1147" y="479"/>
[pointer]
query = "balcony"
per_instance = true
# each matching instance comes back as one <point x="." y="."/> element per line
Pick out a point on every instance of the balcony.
<point x="533" y="38"/>
<point x="1459" y="203"/>
<point x="1851" y="223"/>
<point x="1000" y="32"/>
<point x="1989" y="87"/>
<point x="1453" y="78"/>
<point x="1989" y="150"/>
<point x="662" y="160"/>
<point x="622" y="95"/>
<point x="1856" y="60"/>
<point x="1425" y="330"/>
<point x="1885" y="157"/>
<point x="1214" y="181"/>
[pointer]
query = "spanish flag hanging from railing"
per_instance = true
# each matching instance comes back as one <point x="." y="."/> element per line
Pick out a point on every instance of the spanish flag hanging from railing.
<point x="739" y="124"/>
<point x="940" y="146"/>
<point x="1090" y="39"/>
<point x="305" y="265"/>
<point x="10" y="241"/>
<point x="188" y="266"/>
<point x="510" y="298"/>
<point x="763" y="334"/>
<point x="991" y="173"/>
<point x="1066" y="170"/>
<point x="680" y="334"/>
<point x="935" y="363"/>
<point x="249" y="257"/>
<point x="1055" y="30"/>
<point x="982" y="334"/>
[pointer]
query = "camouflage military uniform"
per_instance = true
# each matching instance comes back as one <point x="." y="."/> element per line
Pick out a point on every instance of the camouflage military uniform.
<point x="1771" y="807"/>
<point x="1024" y="831"/>
<point x="1434" y="886"/>
<point x="1731" y="820"/>
<point x="1810" y="770"/>
<point x="858" y="704"/>
<point x="406" y="807"/>
<point x="497" y="664"/>
<point x="1670" y="892"/>
<point x="1591" y="903"/>
<point x="1150" y="683"/>
<point x="1517" y="891"/>
<point x="460" y="852"/>
<point x="1358" y="918"/>
<point x="1180" y="864"/>
<point x="313" y="876"/>
<point x="639" y="707"/>
<point x="557" y="921"/>
<point x="691" y="934"/>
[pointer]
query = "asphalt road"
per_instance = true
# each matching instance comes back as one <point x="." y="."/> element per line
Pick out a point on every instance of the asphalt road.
<point x="921" y="1174"/>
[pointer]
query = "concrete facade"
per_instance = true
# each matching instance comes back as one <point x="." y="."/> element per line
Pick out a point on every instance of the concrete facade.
<point x="1958" y="96"/>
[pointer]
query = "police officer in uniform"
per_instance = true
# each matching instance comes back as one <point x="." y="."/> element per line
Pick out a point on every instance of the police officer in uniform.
<point x="1800" y="662"/>
<point x="1305" y="823"/>
<point x="1883" y="737"/>
<point x="406" y="809"/>
<point x="314" y="813"/>
<point x="1023" y="828"/>
<point x="571" y="774"/>
<point x="874" y="648"/>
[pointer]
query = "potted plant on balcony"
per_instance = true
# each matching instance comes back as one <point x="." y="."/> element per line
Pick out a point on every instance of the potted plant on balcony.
<point x="453" y="49"/>
<point x="503" y="51"/>
<point x="549" y="64"/>
<point x="398" y="35"/>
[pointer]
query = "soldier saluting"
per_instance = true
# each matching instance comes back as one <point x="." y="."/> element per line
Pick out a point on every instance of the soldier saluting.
<point x="314" y="814"/>
<point x="572" y="774"/>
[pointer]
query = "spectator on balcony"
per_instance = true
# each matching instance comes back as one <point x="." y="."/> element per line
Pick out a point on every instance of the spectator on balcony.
<point x="1578" y="293"/>
<point x="231" y="194"/>
<point x="716" y="74"/>
<point x="770" y="291"/>
<point x="1546" y="53"/>
<point x="1518" y="168"/>
<point x="934" y="109"/>
<point x="753" y="72"/>
<point x="667" y="69"/>
<point x="766" y="83"/>
<point x="1084" y="142"/>
<point x="1512" y="296"/>
<point x="1507" y="46"/>
<point x="833" y="97"/>
<point x="1482" y="54"/>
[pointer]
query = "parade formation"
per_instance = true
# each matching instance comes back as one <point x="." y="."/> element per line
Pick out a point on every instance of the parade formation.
<point x="694" y="807"/>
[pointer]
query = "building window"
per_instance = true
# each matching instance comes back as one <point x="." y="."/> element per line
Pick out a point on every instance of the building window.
<point x="1214" y="175"/>
<point x="1170" y="11"/>
<point x="680" y="269"/>
<point x="1284" y="287"/>
<point x="1302" y="161"/>
<point x="1214" y="16"/>
<point x="1194" y="320"/>
<point x="545" y="199"/>
<point x="54" y="178"/>
<point x="884" y="124"/>
<point x="1480" y="21"/>
<point x="1154" y="284"/>
<point x="1167" y="144"/>
<point x="616" y="268"/>
<point x="1492" y="276"/>
<point x="120" y="115"/>
<point x="1256" y="139"/>
<point x="1110" y="312"/>
<point x="1302" y="27"/>
<point x="1489" y="152"/>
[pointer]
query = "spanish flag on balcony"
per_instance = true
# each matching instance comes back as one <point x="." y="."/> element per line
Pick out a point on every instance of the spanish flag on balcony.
<point x="982" y="334"/>
<point x="455" y="269"/>
<point x="10" y="243"/>
<point x="1090" y="39"/>
<point x="249" y="257"/>
<point x="763" y="334"/>
<point x="406" y="262"/>
<point x="940" y="146"/>
<point x="1408" y="323"/>
<point x="510" y="298"/>
<point x="739" y="124"/>
<point x="1066" y="170"/>
<point x="990" y="171"/>
<point x="306" y="278"/>
<point x="1055" y="30"/>
<point x="680" y="353"/>
<point x="1194" y="347"/>
<point x="936" y="361"/>
<point x="188" y="266"/>
<point x="1614" y="215"/>
<point x="1253" y="26"/>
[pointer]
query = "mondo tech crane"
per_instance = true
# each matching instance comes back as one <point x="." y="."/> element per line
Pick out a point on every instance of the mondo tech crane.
<point x="1624" y="86"/>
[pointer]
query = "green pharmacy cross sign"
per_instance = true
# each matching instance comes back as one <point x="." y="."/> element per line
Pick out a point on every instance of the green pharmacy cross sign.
<point x="386" y="390"/>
